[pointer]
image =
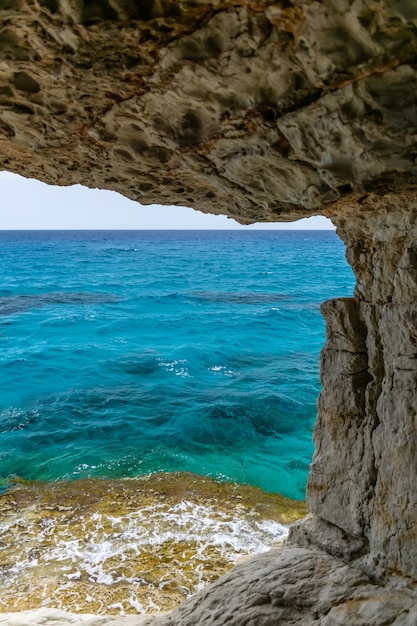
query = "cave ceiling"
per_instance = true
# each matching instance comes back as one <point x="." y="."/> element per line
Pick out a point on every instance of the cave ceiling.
<point x="261" y="110"/>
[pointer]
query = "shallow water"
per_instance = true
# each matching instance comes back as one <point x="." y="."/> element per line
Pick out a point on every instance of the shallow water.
<point x="128" y="546"/>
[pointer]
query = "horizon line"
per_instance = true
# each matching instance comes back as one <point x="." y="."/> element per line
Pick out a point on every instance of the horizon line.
<point x="225" y="230"/>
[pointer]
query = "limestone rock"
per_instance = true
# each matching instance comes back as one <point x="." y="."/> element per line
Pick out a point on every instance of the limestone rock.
<point x="261" y="110"/>
<point x="363" y="477"/>
<point x="264" y="111"/>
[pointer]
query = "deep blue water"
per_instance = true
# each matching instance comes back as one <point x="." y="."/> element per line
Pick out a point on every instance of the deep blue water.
<point x="130" y="352"/>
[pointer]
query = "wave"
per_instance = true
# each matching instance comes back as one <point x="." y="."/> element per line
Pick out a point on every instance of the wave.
<point x="129" y="546"/>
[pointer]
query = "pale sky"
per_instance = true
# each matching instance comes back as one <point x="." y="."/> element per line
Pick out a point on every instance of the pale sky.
<point x="27" y="204"/>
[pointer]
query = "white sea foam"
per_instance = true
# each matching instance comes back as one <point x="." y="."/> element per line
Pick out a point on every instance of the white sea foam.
<point x="223" y="370"/>
<point x="105" y="542"/>
<point x="176" y="366"/>
<point x="126" y="546"/>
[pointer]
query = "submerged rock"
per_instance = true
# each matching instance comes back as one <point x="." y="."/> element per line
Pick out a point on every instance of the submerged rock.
<point x="129" y="546"/>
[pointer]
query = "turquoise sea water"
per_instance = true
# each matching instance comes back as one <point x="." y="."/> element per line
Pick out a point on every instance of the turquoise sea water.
<point x="129" y="352"/>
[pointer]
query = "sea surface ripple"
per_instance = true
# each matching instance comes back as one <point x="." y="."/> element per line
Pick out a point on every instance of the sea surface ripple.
<point x="132" y="352"/>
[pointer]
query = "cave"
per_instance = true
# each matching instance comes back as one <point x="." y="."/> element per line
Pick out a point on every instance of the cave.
<point x="263" y="111"/>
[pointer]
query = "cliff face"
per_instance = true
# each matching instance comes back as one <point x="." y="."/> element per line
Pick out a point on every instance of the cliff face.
<point x="364" y="470"/>
<point x="264" y="111"/>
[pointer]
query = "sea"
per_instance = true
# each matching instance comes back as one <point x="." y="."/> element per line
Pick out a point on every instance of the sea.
<point x="158" y="392"/>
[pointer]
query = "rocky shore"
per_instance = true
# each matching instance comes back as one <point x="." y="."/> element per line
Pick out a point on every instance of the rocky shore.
<point x="288" y="586"/>
<point x="129" y="546"/>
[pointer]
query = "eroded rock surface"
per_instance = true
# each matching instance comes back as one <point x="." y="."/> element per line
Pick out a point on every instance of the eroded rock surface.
<point x="291" y="587"/>
<point x="366" y="434"/>
<point x="263" y="110"/>
<point x="295" y="586"/>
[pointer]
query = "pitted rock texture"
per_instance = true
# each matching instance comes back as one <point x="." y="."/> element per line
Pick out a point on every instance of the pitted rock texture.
<point x="261" y="110"/>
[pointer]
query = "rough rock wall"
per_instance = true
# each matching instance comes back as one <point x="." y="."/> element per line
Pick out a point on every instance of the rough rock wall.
<point x="261" y="110"/>
<point x="363" y="476"/>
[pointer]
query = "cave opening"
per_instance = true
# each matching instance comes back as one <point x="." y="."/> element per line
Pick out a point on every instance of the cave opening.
<point x="190" y="356"/>
<point x="220" y="355"/>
